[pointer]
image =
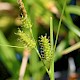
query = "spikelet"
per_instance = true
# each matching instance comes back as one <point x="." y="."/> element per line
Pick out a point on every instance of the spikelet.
<point x="26" y="23"/>
<point x="26" y="39"/>
<point x="22" y="8"/>
<point x="46" y="49"/>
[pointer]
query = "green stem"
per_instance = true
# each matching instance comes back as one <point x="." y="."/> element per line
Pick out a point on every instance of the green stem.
<point x="72" y="48"/>
<point x="51" y="73"/>
<point x="41" y="60"/>
<point x="12" y="46"/>
<point x="60" y="24"/>
<point x="51" y="33"/>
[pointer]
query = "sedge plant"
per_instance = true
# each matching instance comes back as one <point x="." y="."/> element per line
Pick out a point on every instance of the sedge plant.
<point x="47" y="46"/>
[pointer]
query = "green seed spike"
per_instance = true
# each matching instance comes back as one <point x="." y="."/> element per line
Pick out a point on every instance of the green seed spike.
<point x="46" y="48"/>
<point x="26" y="39"/>
<point x="26" y="23"/>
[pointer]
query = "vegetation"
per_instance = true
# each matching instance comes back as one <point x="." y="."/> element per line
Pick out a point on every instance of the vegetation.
<point x="26" y="51"/>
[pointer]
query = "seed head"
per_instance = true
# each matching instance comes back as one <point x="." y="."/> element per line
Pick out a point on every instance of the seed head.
<point x="26" y="23"/>
<point x="46" y="48"/>
<point x="26" y="39"/>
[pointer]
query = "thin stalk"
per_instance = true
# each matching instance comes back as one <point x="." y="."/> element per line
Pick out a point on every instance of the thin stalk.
<point x="23" y="64"/>
<point x="41" y="60"/>
<point x="51" y="73"/>
<point x="68" y="50"/>
<point x="72" y="48"/>
<point x="12" y="46"/>
<point x="60" y="24"/>
<point x="23" y="67"/>
<point x="51" y="33"/>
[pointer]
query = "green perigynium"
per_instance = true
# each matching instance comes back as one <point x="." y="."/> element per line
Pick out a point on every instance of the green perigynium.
<point x="46" y="48"/>
<point x="26" y="39"/>
<point x="26" y="23"/>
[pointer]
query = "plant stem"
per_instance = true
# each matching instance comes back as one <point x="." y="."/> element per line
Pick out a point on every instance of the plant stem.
<point x="51" y="73"/>
<point x="67" y="51"/>
<point x="60" y="24"/>
<point x="70" y="49"/>
<point x="51" y="33"/>
<point x="41" y="60"/>
<point x="13" y="46"/>
<point x="23" y="64"/>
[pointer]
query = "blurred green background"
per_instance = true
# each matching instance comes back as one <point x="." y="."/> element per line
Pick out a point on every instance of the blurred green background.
<point x="39" y="12"/>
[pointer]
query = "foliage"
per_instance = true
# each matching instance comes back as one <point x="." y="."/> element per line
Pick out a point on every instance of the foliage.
<point x="39" y="12"/>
